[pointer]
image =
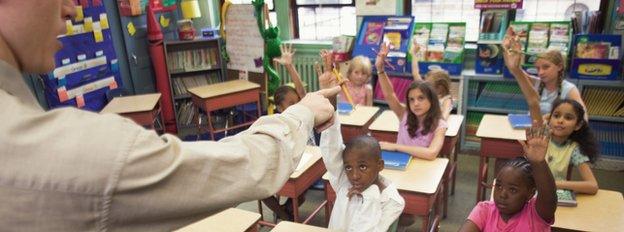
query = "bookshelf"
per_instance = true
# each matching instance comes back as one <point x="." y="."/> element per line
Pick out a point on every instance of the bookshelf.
<point x="493" y="94"/>
<point x="190" y="64"/>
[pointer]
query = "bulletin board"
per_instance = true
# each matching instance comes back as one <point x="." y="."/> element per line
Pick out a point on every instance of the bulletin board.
<point x="244" y="44"/>
<point x="86" y="67"/>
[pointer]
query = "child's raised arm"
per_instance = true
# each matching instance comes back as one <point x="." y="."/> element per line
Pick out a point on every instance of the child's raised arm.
<point x="331" y="145"/>
<point x="286" y="60"/>
<point x="535" y="149"/>
<point x="415" y="69"/>
<point x="512" y="53"/>
<point x="386" y="85"/>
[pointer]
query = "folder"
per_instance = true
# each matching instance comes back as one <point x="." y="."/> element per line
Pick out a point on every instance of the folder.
<point x="395" y="159"/>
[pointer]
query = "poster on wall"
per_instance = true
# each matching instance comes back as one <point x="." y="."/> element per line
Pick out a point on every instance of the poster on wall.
<point x="498" y="4"/>
<point x="375" y="7"/>
<point x="243" y="43"/>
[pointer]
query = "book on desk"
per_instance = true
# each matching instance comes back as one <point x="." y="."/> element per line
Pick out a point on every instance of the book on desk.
<point x="395" y="159"/>
<point x="519" y="121"/>
<point x="344" y="108"/>
<point x="566" y="198"/>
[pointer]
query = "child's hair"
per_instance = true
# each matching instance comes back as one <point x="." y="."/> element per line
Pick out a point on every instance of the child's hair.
<point x="524" y="165"/>
<point x="555" y="57"/>
<point x="440" y="80"/>
<point x="584" y="136"/>
<point x="366" y="143"/>
<point x="280" y="93"/>
<point x="433" y="115"/>
<point x="361" y="63"/>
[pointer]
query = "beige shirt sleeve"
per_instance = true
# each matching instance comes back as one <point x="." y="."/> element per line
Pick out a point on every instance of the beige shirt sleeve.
<point x="169" y="183"/>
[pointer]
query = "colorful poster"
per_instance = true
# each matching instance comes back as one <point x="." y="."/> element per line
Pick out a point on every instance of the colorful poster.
<point x="244" y="44"/>
<point x="498" y="4"/>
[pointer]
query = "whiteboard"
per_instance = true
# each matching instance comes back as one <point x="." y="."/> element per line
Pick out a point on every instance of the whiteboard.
<point x="243" y="43"/>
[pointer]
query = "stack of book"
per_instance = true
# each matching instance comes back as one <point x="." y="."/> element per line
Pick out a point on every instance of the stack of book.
<point x="181" y="84"/>
<point x="610" y="137"/>
<point x="193" y="60"/>
<point x="473" y="119"/>
<point x="604" y="101"/>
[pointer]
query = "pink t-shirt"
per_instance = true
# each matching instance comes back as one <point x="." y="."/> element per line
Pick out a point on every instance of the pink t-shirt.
<point x="419" y="140"/>
<point x="486" y="216"/>
<point x="358" y="94"/>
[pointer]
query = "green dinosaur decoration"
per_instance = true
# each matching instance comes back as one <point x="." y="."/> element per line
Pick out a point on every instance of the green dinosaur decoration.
<point x="272" y="44"/>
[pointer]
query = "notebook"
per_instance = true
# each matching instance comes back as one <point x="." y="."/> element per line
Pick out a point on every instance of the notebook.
<point x="344" y="108"/>
<point x="519" y="121"/>
<point x="566" y="198"/>
<point x="395" y="159"/>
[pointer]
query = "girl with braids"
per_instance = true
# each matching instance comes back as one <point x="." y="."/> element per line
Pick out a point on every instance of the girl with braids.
<point x="551" y="84"/>
<point x="572" y="140"/>
<point x="514" y="207"/>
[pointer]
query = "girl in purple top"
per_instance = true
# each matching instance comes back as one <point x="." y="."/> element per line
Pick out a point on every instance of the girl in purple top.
<point x="422" y="129"/>
<point x="514" y="207"/>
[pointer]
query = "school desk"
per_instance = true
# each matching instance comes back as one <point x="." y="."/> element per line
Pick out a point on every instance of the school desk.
<point x="300" y="181"/>
<point x="224" y="95"/>
<point x="419" y="184"/>
<point x="601" y="212"/>
<point x="498" y="140"/>
<point x="229" y="220"/>
<point x="386" y="126"/>
<point x="356" y="123"/>
<point x="143" y="109"/>
<point x="286" y="226"/>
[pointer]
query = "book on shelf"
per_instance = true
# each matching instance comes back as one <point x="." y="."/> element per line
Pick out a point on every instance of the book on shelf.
<point x="519" y="121"/>
<point x="192" y="60"/>
<point x="566" y="198"/>
<point x="395" y="159"/>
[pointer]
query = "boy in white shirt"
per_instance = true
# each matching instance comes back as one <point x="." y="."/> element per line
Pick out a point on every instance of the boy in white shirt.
<point x="365" y="200"/>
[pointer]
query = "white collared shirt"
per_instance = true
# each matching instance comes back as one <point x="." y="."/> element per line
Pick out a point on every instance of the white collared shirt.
<point x="373" y="210"/>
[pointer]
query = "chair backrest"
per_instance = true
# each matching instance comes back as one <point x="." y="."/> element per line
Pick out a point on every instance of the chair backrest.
<point x="118" y="92"/>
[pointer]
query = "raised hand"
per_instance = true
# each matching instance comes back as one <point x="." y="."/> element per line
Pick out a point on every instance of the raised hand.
<point x="327" y="80"/>
<point x="380" y="61"/>
<point x="536" y="145"/>
<point x="328" y="60"/>
<point x="287" y="54"/>
<point x="415" y="49"/>
<point x="512" y="49"/>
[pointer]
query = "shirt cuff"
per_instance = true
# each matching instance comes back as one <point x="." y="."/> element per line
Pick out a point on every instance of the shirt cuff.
<point x="302" y="114"/>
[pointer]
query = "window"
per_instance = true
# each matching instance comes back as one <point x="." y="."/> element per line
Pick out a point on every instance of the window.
<point x="323" y="19"/>
<point x="272" y="14"/>
<point x="448" y="11"/>
<point x="553" y="10"/>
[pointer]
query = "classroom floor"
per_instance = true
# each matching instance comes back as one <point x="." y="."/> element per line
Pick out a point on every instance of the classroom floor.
<point x="459" y="205"/>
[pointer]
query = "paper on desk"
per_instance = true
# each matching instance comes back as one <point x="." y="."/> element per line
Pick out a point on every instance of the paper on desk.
<point x="304" y="160"/>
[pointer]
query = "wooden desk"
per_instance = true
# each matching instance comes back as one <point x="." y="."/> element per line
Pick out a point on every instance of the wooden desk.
<point x="386" y="127"/>
<point x="143" y="109"/>
<point x="302" y="179"/>
<point x="419" y="185"/>
<point x="286" y="226"/>
<point x="356" y="123"/>
<point x="224" y="95"/>
<point x="229" y="220"/>
<point x="498" y="140"/>
<point x="601" y="212"/>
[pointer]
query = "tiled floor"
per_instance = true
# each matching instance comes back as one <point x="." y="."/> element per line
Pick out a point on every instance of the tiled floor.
<point x="459" y="205"/>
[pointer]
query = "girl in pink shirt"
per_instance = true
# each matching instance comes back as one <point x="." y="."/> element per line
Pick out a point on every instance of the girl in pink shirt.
<point x="359" y="74"/>
<point x="514" y="208"/>
<point x="422" y="129"/>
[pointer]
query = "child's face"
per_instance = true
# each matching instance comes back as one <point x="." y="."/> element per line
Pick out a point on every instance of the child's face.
<point x="358" y="77"/>
<point x="511" y="191"/>
<point x="419" y="103"/>
<point x="563" y="121"/>
<point x="361" y="168"/>
<point x="547" y="71"/>
<point x="289" y="100"/>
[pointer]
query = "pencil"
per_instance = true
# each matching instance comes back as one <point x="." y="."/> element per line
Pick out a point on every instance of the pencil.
<point x="344" y="88"/>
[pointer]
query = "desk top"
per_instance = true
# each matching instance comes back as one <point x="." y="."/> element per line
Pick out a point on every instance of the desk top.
<point x="421" y="176"/>
<point x="223" y="88"/>
<point x="498" y="127"/>
<point x="601" y="212"/>
<point x="359" y="116"/>
<point x="389" y="122"/>
<point x="229" y="220"/>
<point x="132" y="104"/>
<point x="316" y="156"/>
<point x="286" y="226"/>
